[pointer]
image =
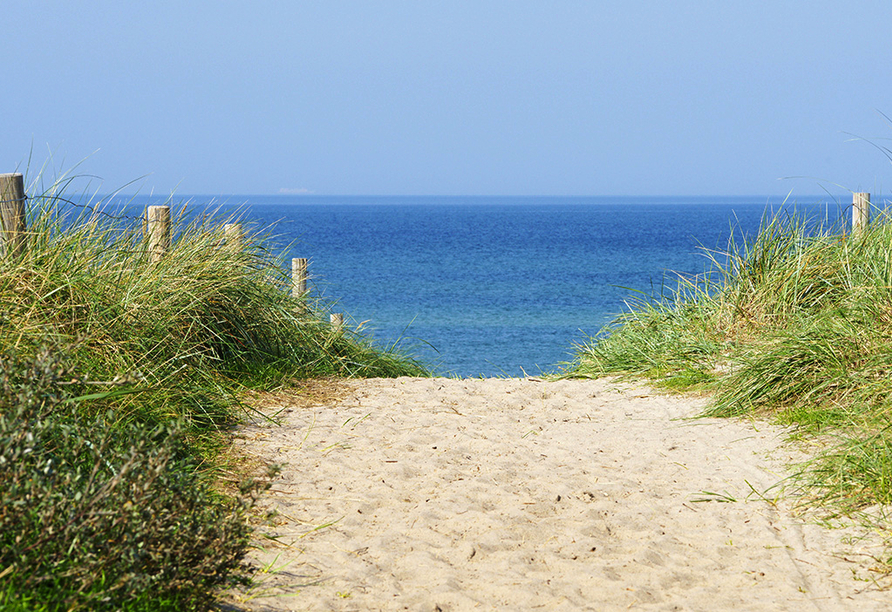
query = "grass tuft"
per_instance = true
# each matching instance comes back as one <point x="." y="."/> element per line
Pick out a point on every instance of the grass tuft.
<point x="796" y="323"/>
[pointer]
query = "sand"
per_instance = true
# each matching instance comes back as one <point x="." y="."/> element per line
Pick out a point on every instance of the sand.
<point x="519" y="494"/>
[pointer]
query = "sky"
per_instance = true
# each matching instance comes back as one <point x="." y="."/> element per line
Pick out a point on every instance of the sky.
<point x="453" y="97"/>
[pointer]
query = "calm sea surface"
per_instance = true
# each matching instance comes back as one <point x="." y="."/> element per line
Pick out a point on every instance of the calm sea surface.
<point x="497" y="285"/>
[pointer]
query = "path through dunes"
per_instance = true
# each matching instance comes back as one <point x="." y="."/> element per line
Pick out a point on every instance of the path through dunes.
<point x="511" y="494"/>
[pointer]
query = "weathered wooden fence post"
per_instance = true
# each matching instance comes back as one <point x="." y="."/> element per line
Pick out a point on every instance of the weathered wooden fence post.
<point x="158" y="230"/>
<point x="13" y="240"/>
<point x="299" y="267"/>
<point x="860" y="212"/>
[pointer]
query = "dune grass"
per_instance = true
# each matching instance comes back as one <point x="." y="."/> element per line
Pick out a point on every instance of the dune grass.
<point x="119" y="379"/>
<point x="795" y="323"/>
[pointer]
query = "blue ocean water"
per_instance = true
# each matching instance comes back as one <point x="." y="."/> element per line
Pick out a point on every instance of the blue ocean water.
<point x="498" y="286"/>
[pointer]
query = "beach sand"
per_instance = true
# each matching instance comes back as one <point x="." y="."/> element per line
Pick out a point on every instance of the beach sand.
<point x="520" y="494"/>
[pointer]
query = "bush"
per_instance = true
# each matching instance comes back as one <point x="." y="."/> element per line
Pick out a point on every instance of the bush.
<point x="96" y="512"/>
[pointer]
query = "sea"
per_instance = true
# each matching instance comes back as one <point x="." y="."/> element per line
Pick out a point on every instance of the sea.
<point x="497" y="286"/>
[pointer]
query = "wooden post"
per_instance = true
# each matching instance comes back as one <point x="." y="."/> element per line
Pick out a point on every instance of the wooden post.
<point x="860" y="212"/>
<point x="299" y="267"/>
<point x="13" y="240"/>
<point x="232" y="232"/>
<point x="158" y="228"/>
<point x="337" y="321"/>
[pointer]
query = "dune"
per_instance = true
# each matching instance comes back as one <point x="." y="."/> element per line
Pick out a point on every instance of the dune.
<point x="520" y="494"/>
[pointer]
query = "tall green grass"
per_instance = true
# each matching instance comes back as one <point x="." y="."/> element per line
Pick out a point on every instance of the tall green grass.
<point x="796" y="323"/>
<point x="208" y="315"/>
<point x="119" y="378"/>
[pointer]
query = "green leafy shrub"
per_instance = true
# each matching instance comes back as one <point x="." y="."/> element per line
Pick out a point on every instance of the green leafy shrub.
<point x="99" y="510"/>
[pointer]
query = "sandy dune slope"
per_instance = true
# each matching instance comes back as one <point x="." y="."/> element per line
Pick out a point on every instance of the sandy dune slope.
<point x="441" y="494"/>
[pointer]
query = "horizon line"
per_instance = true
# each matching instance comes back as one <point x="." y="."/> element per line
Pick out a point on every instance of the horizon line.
<point x="310" y="195"/>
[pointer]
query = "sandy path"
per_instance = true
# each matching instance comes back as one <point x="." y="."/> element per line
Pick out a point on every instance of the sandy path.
<point x="515" y="494"/>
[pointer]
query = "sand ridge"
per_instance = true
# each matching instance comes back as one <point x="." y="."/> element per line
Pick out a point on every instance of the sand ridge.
<point x="520" y="494"/>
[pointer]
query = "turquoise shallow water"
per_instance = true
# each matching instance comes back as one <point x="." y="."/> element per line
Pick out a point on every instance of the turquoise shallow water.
<point x="498" y="286"/>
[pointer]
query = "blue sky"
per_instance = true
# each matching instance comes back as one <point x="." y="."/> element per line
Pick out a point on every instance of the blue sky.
<point x="451" y="97"/>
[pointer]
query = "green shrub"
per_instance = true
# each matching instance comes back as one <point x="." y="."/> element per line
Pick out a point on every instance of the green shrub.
<point x="96" y="512"/>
